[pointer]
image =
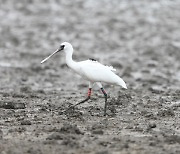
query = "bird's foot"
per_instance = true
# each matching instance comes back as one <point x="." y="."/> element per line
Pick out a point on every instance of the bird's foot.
<point x="73" y="106"/>
<point x="69" y="108"/>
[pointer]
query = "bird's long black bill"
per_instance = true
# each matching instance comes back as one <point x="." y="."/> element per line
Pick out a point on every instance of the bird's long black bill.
<point x="60" y="48"/>
<point x="49" y="56"/>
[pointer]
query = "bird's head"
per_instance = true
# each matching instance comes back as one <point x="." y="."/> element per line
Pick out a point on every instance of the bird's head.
<point x="65" y="46"/>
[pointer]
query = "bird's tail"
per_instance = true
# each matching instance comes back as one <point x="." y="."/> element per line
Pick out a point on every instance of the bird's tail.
<point x="122" y="83"/>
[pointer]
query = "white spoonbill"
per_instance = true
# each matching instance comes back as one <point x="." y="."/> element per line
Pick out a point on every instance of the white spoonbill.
<point x="90" y="70"/>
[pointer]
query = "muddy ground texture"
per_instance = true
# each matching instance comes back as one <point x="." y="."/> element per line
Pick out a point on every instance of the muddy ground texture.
<point x="139" y="38"/>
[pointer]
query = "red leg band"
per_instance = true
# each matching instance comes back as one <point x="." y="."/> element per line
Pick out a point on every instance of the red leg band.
<point x="89" y="92"/>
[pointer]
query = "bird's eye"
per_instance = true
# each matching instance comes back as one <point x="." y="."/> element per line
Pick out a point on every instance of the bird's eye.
<point x="62" y="47"/>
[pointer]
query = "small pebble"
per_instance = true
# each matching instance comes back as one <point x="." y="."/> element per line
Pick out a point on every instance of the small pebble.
<point x="152" y="125"/>
<point x="25" y="122"/>
<point x="1" y="134"/>
<point x="98" y="131"/>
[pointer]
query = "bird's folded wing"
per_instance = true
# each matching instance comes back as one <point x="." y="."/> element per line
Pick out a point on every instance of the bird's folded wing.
<point x="111" y="68"/>
<point x="92" y="62"/>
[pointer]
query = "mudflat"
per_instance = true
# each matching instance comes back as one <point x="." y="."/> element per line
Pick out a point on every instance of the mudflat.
<point x="139" y="38"/>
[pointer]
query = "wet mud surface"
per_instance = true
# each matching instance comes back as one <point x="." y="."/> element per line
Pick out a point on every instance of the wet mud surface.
<point x="139" y="38"/>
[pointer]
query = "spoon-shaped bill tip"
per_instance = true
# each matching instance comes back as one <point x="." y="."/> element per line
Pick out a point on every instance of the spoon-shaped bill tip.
<point x="44" y="60"/>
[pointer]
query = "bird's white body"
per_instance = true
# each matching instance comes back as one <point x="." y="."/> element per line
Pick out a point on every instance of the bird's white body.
<point x="92" y="71"/>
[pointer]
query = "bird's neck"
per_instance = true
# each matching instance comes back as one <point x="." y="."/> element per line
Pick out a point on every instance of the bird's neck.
<point x="69" y="61"/>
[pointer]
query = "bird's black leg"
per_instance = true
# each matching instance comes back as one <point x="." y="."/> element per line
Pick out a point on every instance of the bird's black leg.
<point x="83" y="101"/>
<point x="105" y="95"/>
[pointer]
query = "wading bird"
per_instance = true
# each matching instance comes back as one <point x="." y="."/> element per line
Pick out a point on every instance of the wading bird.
<point x="91" y="70"/>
